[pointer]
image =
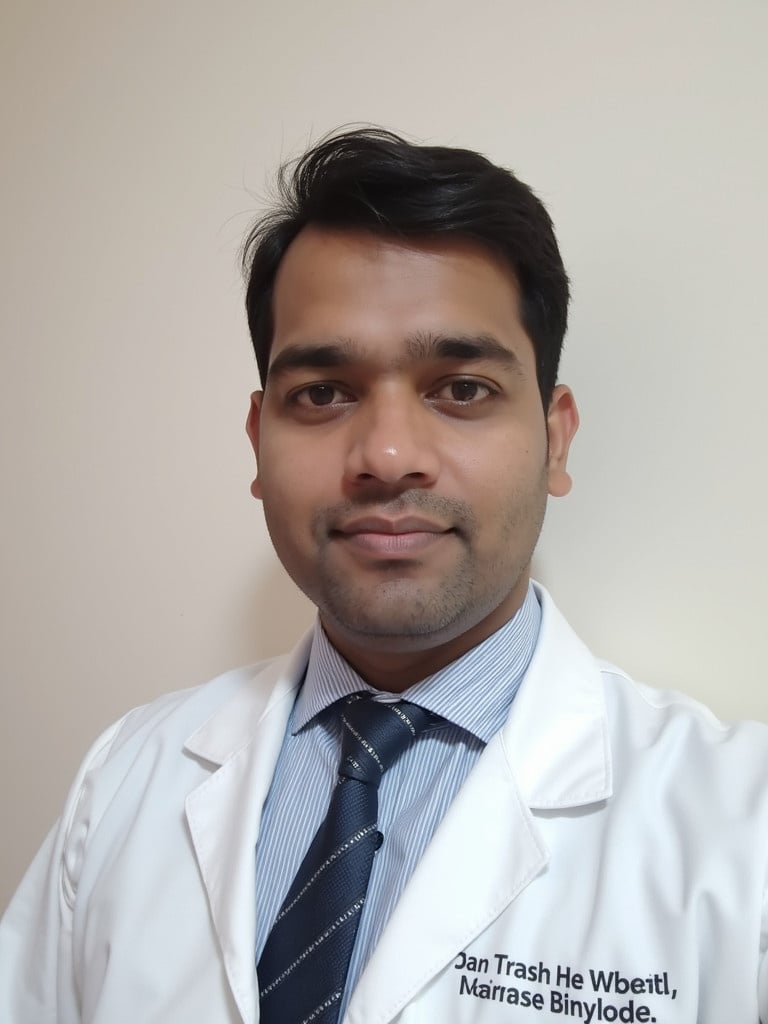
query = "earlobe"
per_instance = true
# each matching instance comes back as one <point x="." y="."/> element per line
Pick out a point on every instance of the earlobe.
<point x="252" y="424"/>
<point x="562" y="424"/>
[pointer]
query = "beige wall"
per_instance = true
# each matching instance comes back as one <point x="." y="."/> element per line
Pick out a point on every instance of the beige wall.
<point x="136" y="141"/>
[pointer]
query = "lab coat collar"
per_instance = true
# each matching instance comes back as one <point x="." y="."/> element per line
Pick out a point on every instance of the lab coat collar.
<point x="234" y="725"/>
<point x="556" y="737"/>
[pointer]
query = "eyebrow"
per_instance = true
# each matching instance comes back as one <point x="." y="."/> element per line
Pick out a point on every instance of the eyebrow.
<point x="420" y="347"/>
<point x="313" y="355"/>
<point x="465" y="347"/>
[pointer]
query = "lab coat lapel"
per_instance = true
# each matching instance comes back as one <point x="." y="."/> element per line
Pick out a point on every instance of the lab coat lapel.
<point x="224" y="813"/>
<point x="485" y="851"/>
<point x="552" y="752"/>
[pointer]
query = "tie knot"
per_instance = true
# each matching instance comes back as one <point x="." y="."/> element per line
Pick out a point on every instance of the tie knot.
<point x="375" y="733"/>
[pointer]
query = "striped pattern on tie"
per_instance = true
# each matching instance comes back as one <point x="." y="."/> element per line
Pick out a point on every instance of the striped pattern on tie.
<point x="303" y="968"/>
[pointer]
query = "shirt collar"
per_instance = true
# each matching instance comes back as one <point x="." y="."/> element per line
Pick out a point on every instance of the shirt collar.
<point x="474" y="692"/>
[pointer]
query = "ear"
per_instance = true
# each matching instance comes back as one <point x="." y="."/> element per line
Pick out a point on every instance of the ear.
<point x="252" y="430"/>
<point x="562" y="424"/>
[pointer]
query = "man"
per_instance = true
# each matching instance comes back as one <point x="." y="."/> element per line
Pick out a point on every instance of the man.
<point x="542" y="838"/>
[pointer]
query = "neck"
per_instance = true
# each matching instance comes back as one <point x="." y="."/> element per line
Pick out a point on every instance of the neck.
<point x="393" y="664"/>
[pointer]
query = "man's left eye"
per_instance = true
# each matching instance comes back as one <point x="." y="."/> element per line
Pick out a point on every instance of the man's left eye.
<point x="463" y="391"/>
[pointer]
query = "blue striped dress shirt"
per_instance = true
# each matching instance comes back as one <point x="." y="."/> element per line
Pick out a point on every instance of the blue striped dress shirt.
<point x="473" y="695"/>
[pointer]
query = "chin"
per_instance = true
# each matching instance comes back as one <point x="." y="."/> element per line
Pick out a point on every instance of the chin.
<point x="399" y="628"/>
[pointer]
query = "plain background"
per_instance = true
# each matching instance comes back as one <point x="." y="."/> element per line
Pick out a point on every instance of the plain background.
<point x="138" y="140"/>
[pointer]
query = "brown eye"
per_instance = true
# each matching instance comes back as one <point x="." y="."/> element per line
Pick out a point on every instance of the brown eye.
<point x="320" y="394"/>
<point x="464" y="390"/>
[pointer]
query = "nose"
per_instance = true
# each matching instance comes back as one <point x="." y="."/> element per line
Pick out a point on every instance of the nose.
<point x="392" y="440"/>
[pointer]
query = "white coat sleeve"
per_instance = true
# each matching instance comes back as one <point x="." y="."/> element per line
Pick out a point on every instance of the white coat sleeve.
<point x="38" y="968"/>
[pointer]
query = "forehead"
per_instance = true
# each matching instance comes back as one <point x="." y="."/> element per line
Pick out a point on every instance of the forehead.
<point x="380" y="291"/>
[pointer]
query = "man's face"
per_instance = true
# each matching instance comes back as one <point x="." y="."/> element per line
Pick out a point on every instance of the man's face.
<point x="402" y="448"/>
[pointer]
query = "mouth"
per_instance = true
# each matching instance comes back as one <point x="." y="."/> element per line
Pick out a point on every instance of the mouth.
<point x="391" y="538"/>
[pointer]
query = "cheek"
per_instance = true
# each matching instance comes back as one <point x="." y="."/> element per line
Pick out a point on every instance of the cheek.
<point x="499" y="467"/>
<point x="293" y="479"/>
<point x="280" y="460"/>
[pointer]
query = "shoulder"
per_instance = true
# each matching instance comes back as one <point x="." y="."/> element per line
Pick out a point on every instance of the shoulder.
<point x="657" y="708"/>
<point x="150" y="740"/>
<point x="183" y="711"/>
<point x="144" y="764"/>
<point x="671" y="742"/>
<point x="649" y="713"/>
<point x="581" y="709"/>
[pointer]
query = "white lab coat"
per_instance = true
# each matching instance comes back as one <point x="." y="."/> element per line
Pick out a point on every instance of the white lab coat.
<point x="604" y="861"/>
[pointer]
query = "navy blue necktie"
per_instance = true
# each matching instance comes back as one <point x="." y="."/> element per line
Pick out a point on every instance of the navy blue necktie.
<point x="303" y="967"/>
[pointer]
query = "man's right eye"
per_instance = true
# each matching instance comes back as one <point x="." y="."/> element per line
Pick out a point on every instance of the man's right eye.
<point x="318" y="395"/>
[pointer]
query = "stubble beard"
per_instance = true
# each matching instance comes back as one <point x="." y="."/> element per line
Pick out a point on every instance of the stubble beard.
<point x="398" y="607"/>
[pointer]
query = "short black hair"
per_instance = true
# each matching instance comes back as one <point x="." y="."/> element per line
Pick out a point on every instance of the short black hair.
<point x="373" y="180"/>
